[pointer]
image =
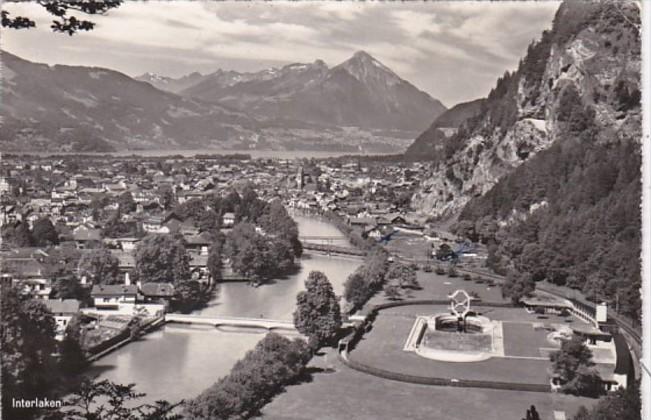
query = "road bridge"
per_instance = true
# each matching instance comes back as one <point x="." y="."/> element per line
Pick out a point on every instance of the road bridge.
<point x="219" y="321"/>
<point x="322" y="238"/>
<point x="334" y="249"/>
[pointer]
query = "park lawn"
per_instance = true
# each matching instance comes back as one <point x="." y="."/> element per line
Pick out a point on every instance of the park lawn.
<point x="521" y="339"/>
<point x="382" y="347"/>
<point x="457" y="342"/>
<point x="439" y="287"/>
<point x="410" y="246"/>
<point x="345" y="394"/>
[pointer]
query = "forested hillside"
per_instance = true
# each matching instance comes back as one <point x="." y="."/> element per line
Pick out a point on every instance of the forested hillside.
<point x="430" y="142"/>
<point x="570" y="214"/>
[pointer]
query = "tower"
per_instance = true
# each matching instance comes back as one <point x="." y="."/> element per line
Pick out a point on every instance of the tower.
<point x="300" y="177"/>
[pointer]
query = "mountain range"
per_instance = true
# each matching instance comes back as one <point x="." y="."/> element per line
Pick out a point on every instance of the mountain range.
<point x="360" y="92"/>
<point x="358" y="104"/>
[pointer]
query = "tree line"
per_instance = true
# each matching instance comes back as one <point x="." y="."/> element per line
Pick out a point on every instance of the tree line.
<point x="367" y="280"/>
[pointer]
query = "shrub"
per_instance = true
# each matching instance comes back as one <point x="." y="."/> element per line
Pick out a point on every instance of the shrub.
<point x="263" y="372"/>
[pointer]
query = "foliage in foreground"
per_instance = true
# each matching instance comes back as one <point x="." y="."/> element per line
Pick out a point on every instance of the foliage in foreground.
<point x="618" y="405"/>
<point x="264" y="371"/>
<point x="105" y="400"/>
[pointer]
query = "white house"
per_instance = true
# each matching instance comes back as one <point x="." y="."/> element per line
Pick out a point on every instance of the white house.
<point x="114" y="296"/>
<point x="63" y="311"/>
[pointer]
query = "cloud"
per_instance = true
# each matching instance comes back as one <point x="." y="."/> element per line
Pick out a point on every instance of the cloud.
<point x="453" y="50"/>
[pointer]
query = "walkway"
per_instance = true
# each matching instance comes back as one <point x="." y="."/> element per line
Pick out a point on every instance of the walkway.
<point x="333" y="249"/>
<point x="269" y="324"/>
<point x="322" y="238"/>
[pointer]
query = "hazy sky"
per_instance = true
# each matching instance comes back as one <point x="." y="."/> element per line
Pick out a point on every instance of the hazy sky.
<point x="452" y="50"/>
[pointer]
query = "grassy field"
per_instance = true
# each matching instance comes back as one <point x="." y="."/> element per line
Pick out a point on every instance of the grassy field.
<point x="340" y="393"/>
<point x="434" y="286"/>
<point x="382" y="347"/>
<point x="521" y="339"/>
<point x="458" y="342"/>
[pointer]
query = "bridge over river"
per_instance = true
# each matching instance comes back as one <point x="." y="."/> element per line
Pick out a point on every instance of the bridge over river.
<point x="322" y="238"/>
<point x="218" y="321"/>
<point x="333" y="249"/>
<point x="227" y="321"/>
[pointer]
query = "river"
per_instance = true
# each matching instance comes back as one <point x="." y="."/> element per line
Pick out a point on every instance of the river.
<point x="178" y="362"/>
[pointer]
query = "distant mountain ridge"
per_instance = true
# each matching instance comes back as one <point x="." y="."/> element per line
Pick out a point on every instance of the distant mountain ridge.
<point x="358" y="105"/>
<point x="171" y="84"/>
<point x="79" y="108"/>
<point x="360" y="92"/>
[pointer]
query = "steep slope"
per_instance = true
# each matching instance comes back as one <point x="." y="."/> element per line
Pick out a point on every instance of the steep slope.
<point x="360" y="92"/>
<point x="95" y="109"/>
<point x="526" y="111"/>
<point x="431" y="141"/>
<point x="549" y="172"/>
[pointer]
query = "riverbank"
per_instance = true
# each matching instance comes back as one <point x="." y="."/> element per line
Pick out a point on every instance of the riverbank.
<point x="204" y="353"/>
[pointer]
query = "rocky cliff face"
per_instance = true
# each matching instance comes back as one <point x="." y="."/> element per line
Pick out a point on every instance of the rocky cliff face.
<point x="582" y="58"/>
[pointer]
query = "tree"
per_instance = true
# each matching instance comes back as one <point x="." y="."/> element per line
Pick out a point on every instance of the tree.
<point x="27" y="338"/>
<point x="100" y="266"/>
<point x="367" y="279"/>
<point x="215" y="257"/>
<point x="517" y="286"/>
<point x="191" y="209"/>
<point x="19" y="235"/>
<point x="126" y="203"/>
<point x="256" y="256"/>
<point x="189" y="295"/>
<point x="392" y="292"/>
<point x="209" y="221"/>
<point x="115" y="227"/>
<point x="278" y="222"/>
<point x="162" y="259"/>
<point x="444" y="252"/>
<point x="250" y="207"/>
<point x="231" y="202"/>
<point x="404" y="274"/>
<point x="166" y="197"/>
<point x="263" y="372"/>
<point x="69" y="287"/>
<point x="317" y="313"/>
<point x="73" y="359"/>
<point x="466" y="229"/>
<point x="63" y="21"/>
<point x="44" y="233"/>
<point x="624" y="403"/>
<point x="573" y="366"/>
<point x="356" y="290"/>
<point x="111" y="401"/>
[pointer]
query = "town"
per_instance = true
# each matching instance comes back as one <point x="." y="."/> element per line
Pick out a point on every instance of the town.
<point x="117" y="247"/>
